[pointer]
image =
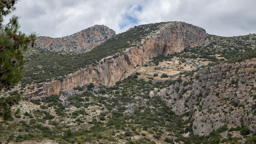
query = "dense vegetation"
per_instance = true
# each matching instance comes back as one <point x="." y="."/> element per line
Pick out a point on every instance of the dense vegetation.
<point x="12" y="44"/>
<point x="43" y="65"/>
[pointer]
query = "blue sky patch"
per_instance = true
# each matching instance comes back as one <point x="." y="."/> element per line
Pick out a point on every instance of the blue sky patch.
<point x="129" y="18"/>
<point x="139" y="8"/>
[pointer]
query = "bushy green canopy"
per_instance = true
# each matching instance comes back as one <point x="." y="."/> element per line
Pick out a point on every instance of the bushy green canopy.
<point x="12" y="44"/>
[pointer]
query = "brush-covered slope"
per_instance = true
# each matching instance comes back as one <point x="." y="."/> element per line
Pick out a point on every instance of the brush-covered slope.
<point x="79" y="42"/>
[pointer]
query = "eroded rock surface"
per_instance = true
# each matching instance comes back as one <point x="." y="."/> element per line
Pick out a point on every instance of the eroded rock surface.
<point x="79" y="42"/>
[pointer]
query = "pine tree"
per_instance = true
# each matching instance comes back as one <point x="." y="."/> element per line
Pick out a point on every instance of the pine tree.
<point x="12" y="45"/>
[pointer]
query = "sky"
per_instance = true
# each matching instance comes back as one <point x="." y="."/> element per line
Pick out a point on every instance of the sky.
<point x="58" y="18"/>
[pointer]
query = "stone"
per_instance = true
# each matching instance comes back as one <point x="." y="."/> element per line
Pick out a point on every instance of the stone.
<point x="151" y="94"/>
<point x="62" y="98"/>
<point x="36" y="98"/>
<point x="68" y="93"/>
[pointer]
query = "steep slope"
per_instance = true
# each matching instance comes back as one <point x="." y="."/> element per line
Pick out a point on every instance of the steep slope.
<point x="167" y="38"/>
<point x="79" y="42"/>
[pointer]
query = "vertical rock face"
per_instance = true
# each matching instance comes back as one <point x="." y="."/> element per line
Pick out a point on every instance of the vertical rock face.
<point x="80" y="42"/>
<point x="170" y="38"/>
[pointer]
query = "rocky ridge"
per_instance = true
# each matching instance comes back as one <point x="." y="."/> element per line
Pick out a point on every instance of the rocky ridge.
<point x="171" y="37"/>
<point x="79" y="42"/>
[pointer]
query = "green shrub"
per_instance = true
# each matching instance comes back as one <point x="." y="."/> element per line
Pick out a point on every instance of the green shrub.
<point x="79" y="88"/>
<point x="32" y="121"/>
<point x="90" y="86"/>
<point x="137" y="73"/>
<point x="35" y="102"/>
<point x="197" y="77"/>
<point x="245" y="131"/>
<point x="168" y="140"/>
<point x="157" y="137"/>
<point x="28" y="115"/>
<point x="48" y="116"/>
<point x="222" y="129"/>
<point x="128" y="133"/>
<point x="52" y="98"/>
<point x="102" y="118"/>
<point x="164" y="75"/>
<point x="54" y="123"/>
<point x="43" y="107"/>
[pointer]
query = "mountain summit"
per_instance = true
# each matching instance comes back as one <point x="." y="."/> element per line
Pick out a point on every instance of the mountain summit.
<point x="79" y="42"/>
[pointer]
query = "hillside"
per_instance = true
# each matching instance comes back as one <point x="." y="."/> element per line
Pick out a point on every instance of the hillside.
<point x="158" y="83"/>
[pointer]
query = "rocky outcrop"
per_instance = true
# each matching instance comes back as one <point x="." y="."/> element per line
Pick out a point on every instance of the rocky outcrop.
<point x="216" y="96"/>
<point x="79" y="42"/>
<point x="171" y="37"/>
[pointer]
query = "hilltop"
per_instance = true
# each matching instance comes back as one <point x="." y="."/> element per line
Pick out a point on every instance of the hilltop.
<point x="76" y="43"/>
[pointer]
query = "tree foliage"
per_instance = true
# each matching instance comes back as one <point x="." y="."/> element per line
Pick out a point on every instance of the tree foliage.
<point x="12" y="44"/>
<point x="6" y="103"/>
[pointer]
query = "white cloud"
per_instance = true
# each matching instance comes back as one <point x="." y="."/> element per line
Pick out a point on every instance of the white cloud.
<point x="58" y="18"/>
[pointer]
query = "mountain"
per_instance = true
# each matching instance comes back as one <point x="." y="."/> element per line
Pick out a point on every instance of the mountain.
<point x="168" y="82"/>
<point x="127" y="52"/>
<point x="79" y="42"/>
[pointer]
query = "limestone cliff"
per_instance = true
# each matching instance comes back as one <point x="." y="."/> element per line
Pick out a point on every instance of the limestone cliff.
<point x="171" y="37"/>
<point x="79" y="42"/>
